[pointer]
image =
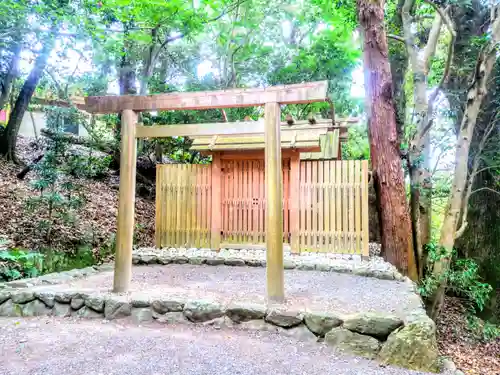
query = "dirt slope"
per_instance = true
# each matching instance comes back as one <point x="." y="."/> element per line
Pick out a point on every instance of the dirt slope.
<point x="97" y="220"/>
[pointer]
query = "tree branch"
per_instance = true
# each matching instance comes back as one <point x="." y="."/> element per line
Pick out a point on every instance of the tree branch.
<point x="396" y="37"/>
<point x="487" y="189"/>
<point x="430" y="47"/>
<point x="472" y="175"/>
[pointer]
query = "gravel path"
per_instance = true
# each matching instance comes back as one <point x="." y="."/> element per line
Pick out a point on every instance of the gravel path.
<point x="317" y="290"/>
<point x="62" y="346"/>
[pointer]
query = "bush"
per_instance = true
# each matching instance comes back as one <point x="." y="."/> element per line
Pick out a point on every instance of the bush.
<point x="462" y="279"/>
<point x="18" y="264"/>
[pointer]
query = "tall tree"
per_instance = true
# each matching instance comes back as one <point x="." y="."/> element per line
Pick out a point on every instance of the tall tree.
<point x="455" y="218"/>
<point x="8" y="139"/>
<point x="384" y="145"/>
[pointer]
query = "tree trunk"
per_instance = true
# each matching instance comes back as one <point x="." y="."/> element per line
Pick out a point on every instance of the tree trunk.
<point x="8" y="140"/>
<point x="475" y="95"/>
<point x="395" y="222"/>
<point x="11" y="75"/>
<point x="127" y="83"/>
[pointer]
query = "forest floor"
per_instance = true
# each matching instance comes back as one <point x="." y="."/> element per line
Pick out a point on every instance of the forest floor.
<point x="457" y="342"/>
<point x="98" y="220"/>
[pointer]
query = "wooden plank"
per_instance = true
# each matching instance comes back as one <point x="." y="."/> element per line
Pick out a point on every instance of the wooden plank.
<point x="295" y="197"/>
<point x="180" y="208"/>
<point x="246" y="232"/>
<point x="216" y="218"/>
<point x="187" y="206"/>
<point x="352" y="243"/>
<point x="308" y="224"/>
<point x="208" y="216"/>
<point x="158" y="207"/>
<point x="339" y="202"/>
<point x="126" y="204"/>
<point x="165" y="197"/>
<point x="204" y="215"/>
<point x="168" y="205"/>
<point x="235" y="98"/>
<point x="253" y="130"/>
<point x="230" y="194"/>
<point x="345" y="206"/>
<point x="302" y="205"/>
<point x="332" y="166"/>
<point x="364" y="205"/>
<point x="262" y="202"/>
<point x="238" y="200"/>
<point x="326" y="203"/>
<point x="225" y="210"/>
<point x="253" y="196"/>
<point x="357" y="205"/>
<point x="321" y="202"/>
<point x="315" y="204"/>
<point x="274" y="205"/>
<point x="192" y="197"/>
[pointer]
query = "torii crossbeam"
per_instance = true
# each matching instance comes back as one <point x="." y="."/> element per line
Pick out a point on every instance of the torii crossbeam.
<point x="270" y="98"/>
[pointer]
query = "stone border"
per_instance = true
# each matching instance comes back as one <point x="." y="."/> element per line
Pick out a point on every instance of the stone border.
<point x="56" y="277"/>
<point x="408" y="342"/>
<point x="342" y="263"/>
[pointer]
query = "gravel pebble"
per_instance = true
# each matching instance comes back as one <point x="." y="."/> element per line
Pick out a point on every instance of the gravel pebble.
<point x="319" y="291"/>
<point x="52" y="346"/>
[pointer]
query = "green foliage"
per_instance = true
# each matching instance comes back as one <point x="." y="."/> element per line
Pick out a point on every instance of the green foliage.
<point x="57" y="197"/>
<point x="17" y="264"/>
<point x="483" y="330"/>
<point x="357" y="146"/>
<point x="462" y="278"/>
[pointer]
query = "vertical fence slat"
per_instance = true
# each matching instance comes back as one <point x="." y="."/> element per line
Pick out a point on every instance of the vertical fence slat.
<point x="307" y="208"/>
<point x="193" y="206"/>
<point x="158" y="208"/>
<point x="326" y="205"/>
<point x="364" y="198"/>
<point x="188" y="204"/>
<point x="262" y="211"/>
<point x="315" y="189"/>
<point x="351" y="207"/>
<point x="199" y="218"/>
<point x="332" y="166"/>
<point x="244" y="220"/>
<point x="345" y="207"/>
<point x="302" y="206"/>
<point x="320" y="200"/>
<point x="169" y="207"/>
<point x="357" y="204"/>
<point x="338" y="196"/>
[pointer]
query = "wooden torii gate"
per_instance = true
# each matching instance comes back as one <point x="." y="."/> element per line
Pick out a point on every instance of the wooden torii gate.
<point x="270" y="98"/>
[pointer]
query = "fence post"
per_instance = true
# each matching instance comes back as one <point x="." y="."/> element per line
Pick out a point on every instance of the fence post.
<point x="274" y="203"/>
<point x="216" y="219"/>
<point x="126" y="205"/>
<point x="294" y="201"/>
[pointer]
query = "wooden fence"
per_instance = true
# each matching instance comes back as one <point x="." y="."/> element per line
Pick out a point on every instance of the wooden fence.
<point x="183" y="205"/>
<point x="331" y="214"/>
<point x="333" y="206"/>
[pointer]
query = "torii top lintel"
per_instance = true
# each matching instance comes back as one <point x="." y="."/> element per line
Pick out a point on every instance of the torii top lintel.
<point x="286" y="94"/>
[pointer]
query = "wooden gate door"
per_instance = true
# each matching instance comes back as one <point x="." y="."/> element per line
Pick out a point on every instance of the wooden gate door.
<point x="243" y="202"/>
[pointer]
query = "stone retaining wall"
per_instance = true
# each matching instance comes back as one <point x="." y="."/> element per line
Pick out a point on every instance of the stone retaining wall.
<point x="408" y="342"/>
<point x="404" y="341"/>
<point x="373" y="266"/>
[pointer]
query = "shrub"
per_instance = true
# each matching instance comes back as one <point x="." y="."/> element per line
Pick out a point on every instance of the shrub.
<point x="18" y="264"/>
<point x="462" y="279"/>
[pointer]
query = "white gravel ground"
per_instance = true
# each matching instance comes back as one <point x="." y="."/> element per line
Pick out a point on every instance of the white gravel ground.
<point x="52" y="346"/>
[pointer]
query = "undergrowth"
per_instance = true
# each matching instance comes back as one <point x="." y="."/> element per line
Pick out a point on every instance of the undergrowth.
<point x="462" y="280"/>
